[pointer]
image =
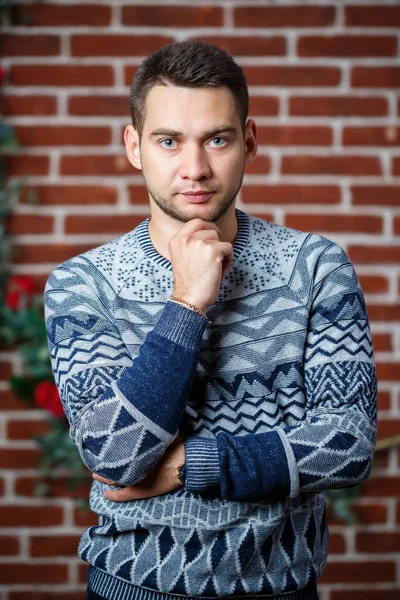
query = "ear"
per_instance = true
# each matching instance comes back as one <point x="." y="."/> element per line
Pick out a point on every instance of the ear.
<point x="250" y="140"/>
<point x="132" y="145"/>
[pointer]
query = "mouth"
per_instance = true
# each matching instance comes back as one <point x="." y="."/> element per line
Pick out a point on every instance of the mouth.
<point x="196" y="197"/>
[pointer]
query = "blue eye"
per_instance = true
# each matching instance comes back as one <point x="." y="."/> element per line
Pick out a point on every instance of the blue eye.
<point x="221" y="139"/>
<point x="168" y="140"/>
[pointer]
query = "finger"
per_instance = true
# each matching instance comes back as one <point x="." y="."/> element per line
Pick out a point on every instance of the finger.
<point x="123" y="495"/>
<point x="98" y="477"/>
<point x="197" y="225"/>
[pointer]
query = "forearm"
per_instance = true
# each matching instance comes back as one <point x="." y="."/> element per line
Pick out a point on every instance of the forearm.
<point x="123" y="432"/>
<point x="278" y="464"/>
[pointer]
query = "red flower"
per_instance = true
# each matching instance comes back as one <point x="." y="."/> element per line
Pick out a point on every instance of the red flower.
<point x="47" y="397"/>
<point x="19" y="287"/>
<point x="2" y="75"/>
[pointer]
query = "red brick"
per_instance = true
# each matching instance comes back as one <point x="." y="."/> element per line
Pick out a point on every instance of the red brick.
<point x="338" y="106"/>
<point x="347" y="45"/>
<point x="96" y="164"/>
<point x="260" y="166"/>
<point x="54" y="545"/>
<point x="288" y="76"/>
<point x="1" y="487"/>
<point x="117" y="45"/>
<point x="61" y="135"/>
<point x="29" y="223"/>
<point x="247" y="46"/>
<point x="28" y="105"/>
<point x="364" y="594"/>
<point x="115" y="224"/>
<point x="30" y="516"/>
<point x="82" y="573"/>
<point x="388" y="195"/>
<point x="382" y="342"/>
<point x="396" y="225"/>
<point x="46" y="253"/>
<point x="337" y="543"/>
<point x="9" y="545"/>
<point x="372" y="16"/>
<point x="5" y="371"/>
<point x="263" y="105"/>
<point x="59" y="15"/>
<point x="384" y="312"/>
<point x="26" y="430"/>
<point x="57" y="488"/>
<point x="374" y="284"/>
<point x="55" y="195"/>
<point x="330" y="165"/>
<point x="85" y="517"/>
<point x="366" y="514"/>
<point x="388" y="427"/>
<point x="382" y="542"/>
<point x="284" y="16"/>
<point x="99" y="105"/>
<point x="375" y="77"/>
<point x="129" y="73"/>
<point x="62" y="75"/>
<point x="29" y="45"/>
<point x="334" y="222"/>
<point x="384" y="402"/>
<point x="288" y="135"/>
<point x="388" y="371"/>
<point x="371" y="136"/>
<point x="396" y="166"/>
<point x="291" y="194"/>
<point x="9" y="401"/>
<point x="359" y="572"/>
<point x="381" y="461"/>
<point x="170" y="16"/>
<point x="374" y="254"/>
<point x="138" y="195"/>
<point x="21" y="164"/>
<point x="12" y="573"/>
<point x="19" y="458"/>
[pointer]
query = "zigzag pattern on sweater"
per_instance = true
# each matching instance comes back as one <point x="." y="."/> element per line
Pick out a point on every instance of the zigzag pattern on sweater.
<point x="288" y="349"/>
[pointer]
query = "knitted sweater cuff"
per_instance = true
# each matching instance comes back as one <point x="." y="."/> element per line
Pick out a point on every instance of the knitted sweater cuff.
<point x="181" y="325"/>
<point x="202" y="465"/>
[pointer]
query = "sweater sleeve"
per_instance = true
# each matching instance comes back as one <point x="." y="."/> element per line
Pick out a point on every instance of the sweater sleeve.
<point x="123" y="411"/>
<point x="333" y="445"/>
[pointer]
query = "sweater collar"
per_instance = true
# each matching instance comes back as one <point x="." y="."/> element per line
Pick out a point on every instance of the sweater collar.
<point x="146" y="244"/>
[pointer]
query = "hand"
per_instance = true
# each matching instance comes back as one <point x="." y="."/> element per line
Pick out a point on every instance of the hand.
<point x="160" y="481"/>
<point x="199" y="260"/>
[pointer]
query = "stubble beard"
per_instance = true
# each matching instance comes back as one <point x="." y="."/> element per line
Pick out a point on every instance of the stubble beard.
<point x="174" y="212"/>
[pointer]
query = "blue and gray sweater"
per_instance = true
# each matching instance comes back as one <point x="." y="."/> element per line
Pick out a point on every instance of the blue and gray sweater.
<point x="275" y="397"/>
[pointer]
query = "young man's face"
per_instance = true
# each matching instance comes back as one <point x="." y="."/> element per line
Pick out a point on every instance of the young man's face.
<point x="192" y="141"/>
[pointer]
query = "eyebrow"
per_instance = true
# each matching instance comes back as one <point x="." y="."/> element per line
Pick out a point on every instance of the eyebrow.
<point x="207" y="134"/>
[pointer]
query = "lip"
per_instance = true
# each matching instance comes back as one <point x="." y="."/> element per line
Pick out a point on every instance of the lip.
<point x="197" y="197"/>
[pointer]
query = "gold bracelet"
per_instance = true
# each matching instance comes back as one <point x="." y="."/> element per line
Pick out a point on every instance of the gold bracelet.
<point x="185" y="303"/>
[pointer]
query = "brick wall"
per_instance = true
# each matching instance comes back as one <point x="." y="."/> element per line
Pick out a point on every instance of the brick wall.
<point x="324" y="81"/>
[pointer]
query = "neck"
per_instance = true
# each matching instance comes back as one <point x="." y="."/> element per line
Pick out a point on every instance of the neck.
<point x="162" y="228"/>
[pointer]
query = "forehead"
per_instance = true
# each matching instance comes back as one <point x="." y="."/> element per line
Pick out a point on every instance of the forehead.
<point x="189" y="109"/>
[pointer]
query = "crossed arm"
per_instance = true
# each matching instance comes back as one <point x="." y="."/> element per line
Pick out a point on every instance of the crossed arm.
<point x="331" y="447"/>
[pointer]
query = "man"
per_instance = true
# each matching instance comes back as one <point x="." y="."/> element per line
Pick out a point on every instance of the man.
<point x="216" y="369"/>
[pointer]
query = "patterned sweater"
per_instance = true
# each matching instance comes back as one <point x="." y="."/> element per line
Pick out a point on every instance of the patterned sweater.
<point x="275" y="397"/>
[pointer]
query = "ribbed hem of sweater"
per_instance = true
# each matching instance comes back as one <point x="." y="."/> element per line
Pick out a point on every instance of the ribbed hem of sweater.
<point x="112" y="588"/>
<point x="181" y="325"/>
<point x="202" y="464"/>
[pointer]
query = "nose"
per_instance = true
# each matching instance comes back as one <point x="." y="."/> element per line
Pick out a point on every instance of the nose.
<point x="194" y="163"/>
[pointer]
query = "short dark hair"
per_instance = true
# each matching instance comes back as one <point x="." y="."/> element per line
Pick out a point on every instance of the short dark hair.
<point x="187" y="64"/>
